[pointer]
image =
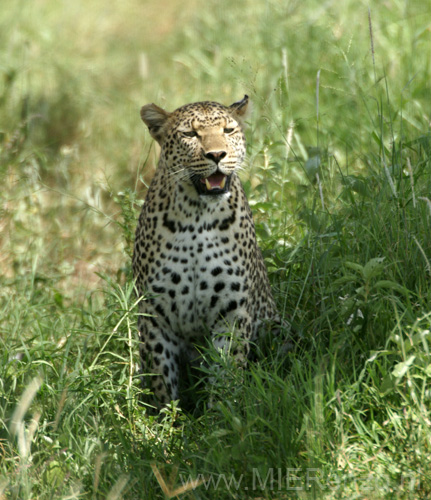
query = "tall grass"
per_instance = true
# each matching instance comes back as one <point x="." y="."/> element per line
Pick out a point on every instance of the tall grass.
<point x="338" y="176"/>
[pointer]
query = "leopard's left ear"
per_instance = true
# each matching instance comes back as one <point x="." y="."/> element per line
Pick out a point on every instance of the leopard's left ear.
<point x="241" y="110"/>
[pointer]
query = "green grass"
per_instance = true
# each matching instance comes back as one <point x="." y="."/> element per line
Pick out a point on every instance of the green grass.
<point x="339" y="178"/>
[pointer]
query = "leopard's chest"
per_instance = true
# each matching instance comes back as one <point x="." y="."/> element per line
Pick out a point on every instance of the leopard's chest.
<point x="201" y="273"/>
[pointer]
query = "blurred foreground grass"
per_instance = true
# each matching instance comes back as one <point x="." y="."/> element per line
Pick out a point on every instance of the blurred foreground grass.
<point x="338" y="174"/>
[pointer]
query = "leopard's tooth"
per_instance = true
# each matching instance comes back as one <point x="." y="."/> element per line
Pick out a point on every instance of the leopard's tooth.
<point x="223" y="183"/>
<point x="208" y="184"/>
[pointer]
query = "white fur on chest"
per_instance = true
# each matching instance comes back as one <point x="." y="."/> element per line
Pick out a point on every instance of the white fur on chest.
<point x="200" y="274"/>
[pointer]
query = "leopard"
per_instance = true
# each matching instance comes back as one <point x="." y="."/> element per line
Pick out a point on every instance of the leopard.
<point x="198" y="270"/>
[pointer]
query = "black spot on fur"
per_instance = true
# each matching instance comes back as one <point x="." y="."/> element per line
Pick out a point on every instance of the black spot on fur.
<point x="159" y="348"/>
<point x="216" y="271"/>
<point x="218" y="286"/>
<point x="176" y="278"/>
<point x="170" y="224"/>
<point x="232" y="306"/>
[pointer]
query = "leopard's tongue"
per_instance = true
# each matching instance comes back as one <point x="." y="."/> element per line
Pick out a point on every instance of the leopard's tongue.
<point x="215" y="181"/>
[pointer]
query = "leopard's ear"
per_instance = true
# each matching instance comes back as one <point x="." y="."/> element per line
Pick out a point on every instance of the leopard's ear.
<point x="155" y="118"/>
<point x="241" y="110"/>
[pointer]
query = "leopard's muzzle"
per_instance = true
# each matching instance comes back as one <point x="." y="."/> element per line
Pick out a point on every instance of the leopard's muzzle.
<point x="213" y="185"/>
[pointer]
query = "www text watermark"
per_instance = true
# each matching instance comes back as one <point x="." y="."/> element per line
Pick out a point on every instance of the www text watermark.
<point x="298" y="479"/>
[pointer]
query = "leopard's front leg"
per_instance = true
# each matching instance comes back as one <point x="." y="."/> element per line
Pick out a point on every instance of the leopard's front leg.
<point x="233" y="336"/>
<point x="233" y="341"/>
<point x="159" y="352"/>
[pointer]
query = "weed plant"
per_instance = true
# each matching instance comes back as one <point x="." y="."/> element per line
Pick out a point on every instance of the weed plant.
<point x="339" y="178"/>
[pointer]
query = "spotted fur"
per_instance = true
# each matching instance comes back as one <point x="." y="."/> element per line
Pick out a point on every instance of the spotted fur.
<point x="196" y="261"/>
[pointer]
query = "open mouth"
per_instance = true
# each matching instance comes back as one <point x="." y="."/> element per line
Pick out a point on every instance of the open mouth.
<point x="212" y="185"/>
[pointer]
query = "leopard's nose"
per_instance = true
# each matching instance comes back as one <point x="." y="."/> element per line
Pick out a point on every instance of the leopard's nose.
<point x="215" y="156"/>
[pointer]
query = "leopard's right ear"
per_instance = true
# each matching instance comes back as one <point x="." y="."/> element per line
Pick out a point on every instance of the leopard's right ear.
<point x="155" y="118"/>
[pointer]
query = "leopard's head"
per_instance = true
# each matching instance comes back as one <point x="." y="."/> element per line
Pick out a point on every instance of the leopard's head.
<point x="201" y="143"/>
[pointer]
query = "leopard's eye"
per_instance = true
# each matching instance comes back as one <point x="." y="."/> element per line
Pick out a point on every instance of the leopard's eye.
<point x="228" y="130"/>
<point x="191" y="133"/>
